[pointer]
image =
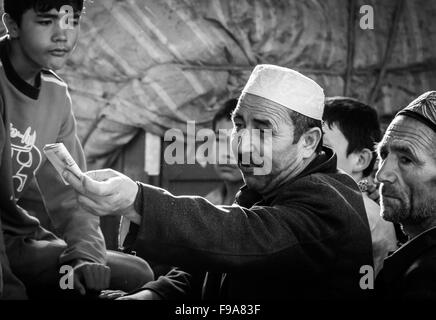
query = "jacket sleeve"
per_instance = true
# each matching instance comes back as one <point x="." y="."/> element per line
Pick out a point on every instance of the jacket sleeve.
<point x="172" y="283"/>
<point x="190" y="230"/>
<point x="419" y="283"/>
<point x="175" y="285"/>
<point x="80" y="230"/>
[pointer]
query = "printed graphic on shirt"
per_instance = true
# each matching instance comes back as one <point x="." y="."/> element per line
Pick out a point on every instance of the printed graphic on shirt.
<point x="26" y="157"/>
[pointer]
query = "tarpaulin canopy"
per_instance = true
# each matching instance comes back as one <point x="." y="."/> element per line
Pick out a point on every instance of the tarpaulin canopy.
<point x="154" y="64"/>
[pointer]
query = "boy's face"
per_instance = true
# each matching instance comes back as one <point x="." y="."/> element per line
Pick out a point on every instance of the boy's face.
<point x="335" y="139"/>
<point x="45" y="39"/>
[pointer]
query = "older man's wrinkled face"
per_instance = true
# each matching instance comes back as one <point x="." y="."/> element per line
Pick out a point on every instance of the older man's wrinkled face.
<point x="262" y="139"/>
<point x="407" y="172"/>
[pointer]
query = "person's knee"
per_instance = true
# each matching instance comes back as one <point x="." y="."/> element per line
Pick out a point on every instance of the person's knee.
<point x="128" y="272"/>
<point x="139" y="268"/>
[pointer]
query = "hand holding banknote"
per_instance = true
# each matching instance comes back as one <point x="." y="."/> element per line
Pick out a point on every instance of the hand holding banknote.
<point x="61" y="159"/>
<point x="105" y="192"/>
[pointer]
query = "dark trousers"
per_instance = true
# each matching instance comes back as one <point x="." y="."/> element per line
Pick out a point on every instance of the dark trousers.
<point x="36" y="264"/>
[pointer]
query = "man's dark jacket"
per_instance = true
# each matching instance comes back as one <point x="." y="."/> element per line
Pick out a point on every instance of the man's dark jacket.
<point x="309" y="240"/>
<point x="410" y="272"/>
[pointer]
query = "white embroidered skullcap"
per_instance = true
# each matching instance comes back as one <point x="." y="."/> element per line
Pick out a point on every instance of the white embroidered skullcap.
<point x="288" y="88"/>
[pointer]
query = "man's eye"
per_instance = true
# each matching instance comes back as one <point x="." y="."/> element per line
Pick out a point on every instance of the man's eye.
<point x="264" y="131"/>
<point x="405" y="160"/>
<point x="238" y="125"/>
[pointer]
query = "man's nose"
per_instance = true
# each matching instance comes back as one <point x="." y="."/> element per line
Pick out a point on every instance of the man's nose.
<point x="245" y="147"/>
<point x="386" y="172"/>
<point x="244" y="142"/>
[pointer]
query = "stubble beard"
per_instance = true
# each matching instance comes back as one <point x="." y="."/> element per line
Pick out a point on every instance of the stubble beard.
<point x="403" y="213"/>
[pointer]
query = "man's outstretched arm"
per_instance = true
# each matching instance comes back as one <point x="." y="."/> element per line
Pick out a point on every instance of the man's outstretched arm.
<point x="191" y="231"/>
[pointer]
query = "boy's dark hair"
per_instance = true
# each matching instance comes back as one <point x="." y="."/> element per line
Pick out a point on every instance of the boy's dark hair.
<point x="357" y="121"/>
<point x="225" y="112"/>
<point x="302" y="124"/>
<point x="16" y="8"/>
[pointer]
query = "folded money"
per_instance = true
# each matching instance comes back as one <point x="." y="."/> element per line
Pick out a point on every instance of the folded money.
<point x="61" y="159"/>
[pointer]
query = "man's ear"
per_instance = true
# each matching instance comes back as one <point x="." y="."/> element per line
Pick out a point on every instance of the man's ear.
<point x="310" y="140"/>
<point x="363" y="158"/>
<point x="11" y="26"/>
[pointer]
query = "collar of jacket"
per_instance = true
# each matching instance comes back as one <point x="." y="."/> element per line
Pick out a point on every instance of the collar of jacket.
<point x="398" y="262"/>
<point x="325" y="162"/>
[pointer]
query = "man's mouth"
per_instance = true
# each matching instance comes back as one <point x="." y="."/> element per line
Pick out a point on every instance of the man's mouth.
<point x="248" y="168"/>
<point x="389" y="195"/>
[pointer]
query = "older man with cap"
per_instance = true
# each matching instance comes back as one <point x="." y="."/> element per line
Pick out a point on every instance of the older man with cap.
<point x="298" y="228"/>
<point x="407" y="174"/>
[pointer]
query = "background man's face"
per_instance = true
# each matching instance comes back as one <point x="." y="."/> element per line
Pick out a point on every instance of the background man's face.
<point x="407" y="171"/>
<point x="283" y="157"/>
<point x="335" y="139"/>
<point x="226" y="166"/>
<point x="44" y="41"/>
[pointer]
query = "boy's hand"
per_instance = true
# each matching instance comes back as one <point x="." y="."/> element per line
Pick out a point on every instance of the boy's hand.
<point x="91" y="276"/>
<point x="105" y="192"/>
<point x="111" y="294"/>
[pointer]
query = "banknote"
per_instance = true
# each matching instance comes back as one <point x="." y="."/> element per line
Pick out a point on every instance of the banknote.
<point x="61" y="159"/>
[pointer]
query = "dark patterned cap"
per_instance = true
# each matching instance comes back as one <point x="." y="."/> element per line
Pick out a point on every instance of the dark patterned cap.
<point x="423" y="109"/>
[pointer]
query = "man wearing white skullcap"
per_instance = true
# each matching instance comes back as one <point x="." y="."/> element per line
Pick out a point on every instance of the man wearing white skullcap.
<point x="298" y="229"/>
<point x="407" y="174"/>
<point x="288" y="88"/>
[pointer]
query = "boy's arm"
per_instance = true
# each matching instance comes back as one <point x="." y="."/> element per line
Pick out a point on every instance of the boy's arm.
<point x="10" y="286"/>
<point x="79" y="229"/>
